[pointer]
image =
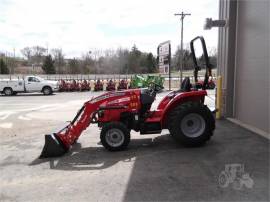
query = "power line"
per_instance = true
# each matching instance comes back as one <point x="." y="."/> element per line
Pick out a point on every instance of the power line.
<point x="183" y="15"/>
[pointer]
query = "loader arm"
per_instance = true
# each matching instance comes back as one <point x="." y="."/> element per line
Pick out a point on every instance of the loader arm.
<point x="81" y="121"/>
<point x="59" y="143"/>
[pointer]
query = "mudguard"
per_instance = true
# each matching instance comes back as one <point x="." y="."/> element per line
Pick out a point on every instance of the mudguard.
<point x="174" y="99"/>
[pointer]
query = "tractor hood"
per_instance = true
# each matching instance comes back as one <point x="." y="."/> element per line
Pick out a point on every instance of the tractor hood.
<point x="107" y="96"/>
<point x="119" y="100"/>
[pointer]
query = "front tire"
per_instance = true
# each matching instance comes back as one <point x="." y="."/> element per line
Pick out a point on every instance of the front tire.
<point x="191" y="124"/>
<point x="115" y="136"/>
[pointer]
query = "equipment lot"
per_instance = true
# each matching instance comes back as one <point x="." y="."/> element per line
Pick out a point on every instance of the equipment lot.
<point x="154" y="168"/>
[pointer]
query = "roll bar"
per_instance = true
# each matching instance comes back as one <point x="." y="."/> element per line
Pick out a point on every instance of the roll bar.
<point x="208" y="66"/>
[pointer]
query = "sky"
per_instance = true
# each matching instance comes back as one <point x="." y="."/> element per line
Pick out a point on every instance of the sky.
<point x="80" y="26"/>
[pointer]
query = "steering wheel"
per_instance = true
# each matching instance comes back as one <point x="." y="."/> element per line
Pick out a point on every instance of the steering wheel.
<point x="154" y="88"/>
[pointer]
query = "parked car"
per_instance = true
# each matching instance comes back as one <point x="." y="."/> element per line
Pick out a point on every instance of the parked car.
<point x="28" y="84"/>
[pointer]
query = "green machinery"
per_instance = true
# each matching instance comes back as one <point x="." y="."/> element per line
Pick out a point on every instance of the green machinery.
<point x="141" y="81"/>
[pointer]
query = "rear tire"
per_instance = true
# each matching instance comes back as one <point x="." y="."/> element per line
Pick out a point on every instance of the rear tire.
<point x="115" y="136"/>
<point x="223" y="179"/>
<point x="191" y="124"/>
<point x="47" y="90"/>
<point x="8" y="91"/>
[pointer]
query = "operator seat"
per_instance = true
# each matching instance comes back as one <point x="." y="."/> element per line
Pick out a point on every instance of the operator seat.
<point x="185" y="85"/>
<point x="146" y="100"/>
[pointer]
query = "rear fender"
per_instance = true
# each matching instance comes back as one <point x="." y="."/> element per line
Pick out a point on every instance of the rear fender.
<point x="194" y="96"/>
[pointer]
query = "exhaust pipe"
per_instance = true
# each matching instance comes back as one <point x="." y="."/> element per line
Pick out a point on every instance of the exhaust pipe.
<point x="53" y="147"/>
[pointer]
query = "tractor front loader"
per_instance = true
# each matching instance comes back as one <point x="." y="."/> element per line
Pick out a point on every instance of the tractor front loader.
<point x="183" y="112"/>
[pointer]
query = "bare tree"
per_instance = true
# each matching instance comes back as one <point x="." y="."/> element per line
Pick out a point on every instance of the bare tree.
<point x="213" y="56"/>
<point x="87" y="63"/>
<point x="38" y="54"/>
<point x="59" y="59"/>
<point x="96" y="53"/>
<point x="27" y="53"/>
<point x="38" y="50"/>
<point x="119" y="61"/>
<point x="74" y="66"/>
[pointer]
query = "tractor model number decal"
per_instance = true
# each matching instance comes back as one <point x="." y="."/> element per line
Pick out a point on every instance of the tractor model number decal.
<point x="124" y="99"/>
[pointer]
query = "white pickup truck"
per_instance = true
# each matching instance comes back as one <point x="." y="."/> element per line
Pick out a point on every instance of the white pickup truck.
<point x="28" y="84"/>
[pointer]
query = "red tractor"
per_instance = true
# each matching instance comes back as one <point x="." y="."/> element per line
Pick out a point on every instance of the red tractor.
<point x="183" y="112"/>
<point x="98" y="85"/>
<point x="111" y="85"/>
<point x="63" y="85"/>
<point x="77" y="85"/>
<point x="71" y="85"/>
<point x="84" y="85"/>
<point x="123" y="85"/>
<point x="210" y="85"/>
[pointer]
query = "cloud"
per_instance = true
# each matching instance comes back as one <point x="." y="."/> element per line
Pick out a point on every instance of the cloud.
<point x="79" y="25"/>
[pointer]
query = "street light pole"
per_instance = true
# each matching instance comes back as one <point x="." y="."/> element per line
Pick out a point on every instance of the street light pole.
<point x="183" y="15"/>
<point x="14" y="61"/>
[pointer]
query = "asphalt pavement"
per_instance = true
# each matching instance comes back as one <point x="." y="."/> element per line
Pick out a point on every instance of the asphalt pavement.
<point x="232" y="166"/>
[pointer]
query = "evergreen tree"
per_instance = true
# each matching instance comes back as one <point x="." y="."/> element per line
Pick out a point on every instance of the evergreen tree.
<point x="48" y="65"/>
<point x="151" y="63"/>
<point x="3" y="67"/>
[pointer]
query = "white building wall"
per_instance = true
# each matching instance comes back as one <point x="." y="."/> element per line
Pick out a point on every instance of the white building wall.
<point x="252" y="64"/>
<point x="243" y="61"/>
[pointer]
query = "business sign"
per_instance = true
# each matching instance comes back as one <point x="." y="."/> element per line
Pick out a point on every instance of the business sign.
<point x="164" y="57"/>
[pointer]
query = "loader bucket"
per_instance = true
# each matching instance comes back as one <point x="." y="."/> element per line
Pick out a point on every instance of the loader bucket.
<point x="53" y="147"/>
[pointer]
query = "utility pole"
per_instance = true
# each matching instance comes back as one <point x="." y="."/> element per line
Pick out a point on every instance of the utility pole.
<point x="7" y="62"/>
<point x="183" y="15"/>
<point x="47" y="48"/>
<point x="14" y="61"/>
